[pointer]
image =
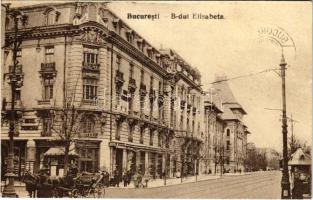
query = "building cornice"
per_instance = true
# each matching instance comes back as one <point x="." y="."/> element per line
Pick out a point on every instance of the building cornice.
<point x="124" y="45"/>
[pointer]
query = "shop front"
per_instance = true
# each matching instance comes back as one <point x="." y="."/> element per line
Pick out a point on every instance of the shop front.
<point x="88" y="153"/>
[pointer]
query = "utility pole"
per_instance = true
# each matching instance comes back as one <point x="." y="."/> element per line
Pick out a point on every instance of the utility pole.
<point x="285" y="184"/>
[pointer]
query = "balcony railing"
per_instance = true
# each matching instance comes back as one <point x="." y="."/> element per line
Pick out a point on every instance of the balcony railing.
<point x="48" y="67"/>
<point x="88" y="135"/>
<point x="119" y="78"/>
<point x="91" y="66"/>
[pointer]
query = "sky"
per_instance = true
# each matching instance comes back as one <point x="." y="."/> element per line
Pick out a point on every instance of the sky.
<point x="231" y="46"/>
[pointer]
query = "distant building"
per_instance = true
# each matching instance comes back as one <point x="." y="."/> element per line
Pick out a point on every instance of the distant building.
<point x="235" y="130"/>
<point x="214" y="132"/>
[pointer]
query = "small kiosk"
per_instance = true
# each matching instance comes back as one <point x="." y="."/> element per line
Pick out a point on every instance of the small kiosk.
<point x="54" y="159"/>
<point x="300" y="174"/>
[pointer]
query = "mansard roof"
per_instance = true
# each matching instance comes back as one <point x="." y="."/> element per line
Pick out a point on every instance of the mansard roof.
<point x="226" y="93"/>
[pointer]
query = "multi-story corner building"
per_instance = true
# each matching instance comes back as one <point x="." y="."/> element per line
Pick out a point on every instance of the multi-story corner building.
<point x="235" y="131"/>
<point x="139" y="108"/>
<point x="214" y="132"/>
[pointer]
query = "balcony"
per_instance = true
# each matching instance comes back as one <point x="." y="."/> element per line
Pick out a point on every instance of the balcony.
<point x="48" y="67"/>
<point x="182" y="104"/>
<point x="88" y="135"/>
<point x="119" y="78"/>
<point x="92" y="67"/>
<point x="132" y="85"/>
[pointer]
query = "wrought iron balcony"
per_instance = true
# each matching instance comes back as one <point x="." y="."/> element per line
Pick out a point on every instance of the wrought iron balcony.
<point x="48" y="67"/>
<point x="132" y="85"/>
<point x="88" y="135"/>
<point x="119" y="78"/>
<point x="95" y="67"/>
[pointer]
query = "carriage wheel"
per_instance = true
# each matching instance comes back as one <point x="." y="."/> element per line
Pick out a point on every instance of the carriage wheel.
<point x="74" y="193"/>
<point x="97" y="192"/>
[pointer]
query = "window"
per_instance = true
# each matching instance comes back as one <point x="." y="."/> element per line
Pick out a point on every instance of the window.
<point x="90" y="87"/>
<point x="17" y="96"/>
<point x="227" y="145"/>
<point x="48" y="88"/>
<point x="131" y="70"/>
<point x="129" y="36"/>
<point x="46" y="126"/>
<point x="51" y="17"/>
<point x="131" y="131"/>
<point x="141" y="136"/>
<point x="118" y="127"/>
<point x="49" y="54"/>
<point x="228" y="132"/>
<point x="151" y="137"/>
<point x="90" y="56"/>
<point x="159" y="140"/>
<point x="88" y="126"/>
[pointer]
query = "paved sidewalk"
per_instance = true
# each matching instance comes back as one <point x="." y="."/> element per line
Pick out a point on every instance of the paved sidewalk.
<point x="172" y="181"/>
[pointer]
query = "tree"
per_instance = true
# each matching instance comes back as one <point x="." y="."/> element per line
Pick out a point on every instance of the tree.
<point x="66" y="126"/>
<point x="294" y="143"/>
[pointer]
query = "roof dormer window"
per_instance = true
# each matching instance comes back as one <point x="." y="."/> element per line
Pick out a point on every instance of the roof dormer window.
<point x="52" y="16"/>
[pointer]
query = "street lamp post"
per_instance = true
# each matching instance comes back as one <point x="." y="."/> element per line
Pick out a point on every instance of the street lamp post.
<point x="15" y="81"/>
<point x="285" y="184"/>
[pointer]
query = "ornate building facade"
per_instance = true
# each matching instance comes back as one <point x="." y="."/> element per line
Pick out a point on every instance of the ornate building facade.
<point x="138" y="108"/>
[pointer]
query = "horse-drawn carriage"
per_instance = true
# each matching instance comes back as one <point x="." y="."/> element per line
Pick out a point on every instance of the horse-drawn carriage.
<point x="83" y="185"/>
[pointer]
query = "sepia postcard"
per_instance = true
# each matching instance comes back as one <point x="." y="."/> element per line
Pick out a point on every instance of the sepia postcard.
<point x="156" y="99"/>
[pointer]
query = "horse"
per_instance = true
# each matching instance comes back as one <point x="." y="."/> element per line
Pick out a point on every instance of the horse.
<point x="31" y="181"/>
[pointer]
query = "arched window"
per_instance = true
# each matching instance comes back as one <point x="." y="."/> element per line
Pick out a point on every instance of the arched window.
<point x="88" y="126"/>
<point x="228" y="132"/>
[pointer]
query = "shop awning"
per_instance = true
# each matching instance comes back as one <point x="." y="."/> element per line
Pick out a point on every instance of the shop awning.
<point x="300" y="158"/>
<point x="59" y="151"/>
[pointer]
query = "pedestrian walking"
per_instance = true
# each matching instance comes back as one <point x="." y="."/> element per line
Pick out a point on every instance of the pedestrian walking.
<point x="125" y="179"/>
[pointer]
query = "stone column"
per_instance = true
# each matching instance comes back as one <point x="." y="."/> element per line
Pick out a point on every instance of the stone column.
<point x="30" y="155"/>
<point x="155" y="164"/>
<point x="163" y="162"/>
<point x="124" y="160"/>
<point x="137" y="160"/>
<point x="147" y="163"/>
<point x="171" y="166"/>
